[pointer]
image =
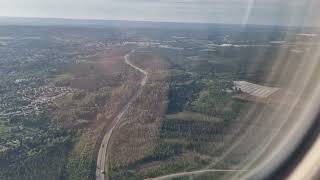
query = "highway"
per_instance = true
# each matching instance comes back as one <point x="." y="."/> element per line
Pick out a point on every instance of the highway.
<point x="102" y="169"/>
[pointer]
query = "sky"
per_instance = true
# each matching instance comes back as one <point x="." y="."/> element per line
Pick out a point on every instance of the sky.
<point x="271" y="12"/>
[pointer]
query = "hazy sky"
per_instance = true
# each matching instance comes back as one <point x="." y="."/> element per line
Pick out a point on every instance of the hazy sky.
<point x="283" y="12"/>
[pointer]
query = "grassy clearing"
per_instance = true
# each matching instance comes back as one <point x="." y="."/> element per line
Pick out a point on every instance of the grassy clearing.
<point x="81" y="162"/>
<point x="192" y="116"/>
<point x="4" y="130"/>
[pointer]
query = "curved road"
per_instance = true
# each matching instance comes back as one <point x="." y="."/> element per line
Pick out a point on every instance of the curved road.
<point x="170" y="176"/>
<point x="101" y="170"/>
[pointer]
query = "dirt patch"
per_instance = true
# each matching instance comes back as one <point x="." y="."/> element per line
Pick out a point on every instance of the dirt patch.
<point x="111" y="66"/>
<point x="84" y="83"/>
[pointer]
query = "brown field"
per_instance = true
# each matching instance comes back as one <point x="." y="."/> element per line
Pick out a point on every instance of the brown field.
<point x="109" y="72"/>
<point x="138" y="133"/>
<point x="113" y="52"/>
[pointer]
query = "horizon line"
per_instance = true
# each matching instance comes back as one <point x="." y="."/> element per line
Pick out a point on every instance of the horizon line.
<point x="152" y="21"/>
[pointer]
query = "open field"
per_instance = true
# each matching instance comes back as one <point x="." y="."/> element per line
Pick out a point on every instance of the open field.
<point x="84" y="155"/>
<point x="137" y="134"/>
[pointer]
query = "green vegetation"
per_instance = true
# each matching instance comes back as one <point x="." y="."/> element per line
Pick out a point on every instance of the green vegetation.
<point x="59" y="91"/>
<point x="44" y="161"/>
<point x="81" y="162"/>
<point x="200" y="115"/>
<point x="48" y="99"/>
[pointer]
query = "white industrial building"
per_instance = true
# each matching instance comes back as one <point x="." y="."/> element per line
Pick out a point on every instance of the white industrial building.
<point x="254" y="89"/>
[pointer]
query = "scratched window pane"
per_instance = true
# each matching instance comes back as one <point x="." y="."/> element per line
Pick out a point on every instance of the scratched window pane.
<point x="154" y="90"/>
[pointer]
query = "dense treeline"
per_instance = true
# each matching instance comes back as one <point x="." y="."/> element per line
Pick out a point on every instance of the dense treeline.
<point x="46" y="162"/>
